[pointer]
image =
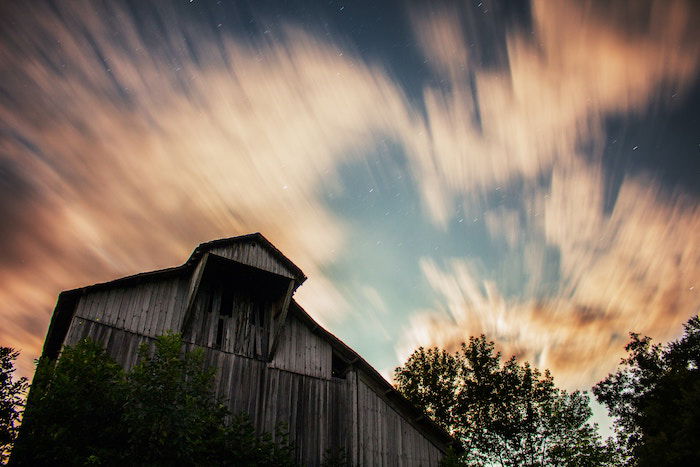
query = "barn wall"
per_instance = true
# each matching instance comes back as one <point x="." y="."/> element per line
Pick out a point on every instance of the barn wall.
<point x="301" y="351"/>
<point x="122" y="345"/>
<point x="253" y="254"/>
<point x="387" y="438"/>
<point x="316" y="411"/>
<point x="149" y="308"/>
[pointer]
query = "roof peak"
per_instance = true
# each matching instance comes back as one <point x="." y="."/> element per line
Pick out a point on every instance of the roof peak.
<point x="301" y="277"/>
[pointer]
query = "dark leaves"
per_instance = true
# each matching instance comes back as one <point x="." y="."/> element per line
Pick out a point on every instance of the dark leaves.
<point x="654" y="398"/>
<point x="504" y="413"/>
<point x="11" y="400"/>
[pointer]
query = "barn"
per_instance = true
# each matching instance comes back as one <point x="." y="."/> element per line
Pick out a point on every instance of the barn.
<point x="234" y="298"/>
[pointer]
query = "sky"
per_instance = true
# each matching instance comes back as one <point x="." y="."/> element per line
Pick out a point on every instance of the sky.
<point x="439" y="170"/>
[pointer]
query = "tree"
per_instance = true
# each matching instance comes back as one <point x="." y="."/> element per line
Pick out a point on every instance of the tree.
<point x="504" y="413"/>
<point x="84" y="409"/>
<point x="654" y="399"/>
<point x="11" y="400"/>
<point x="73" y="410"/>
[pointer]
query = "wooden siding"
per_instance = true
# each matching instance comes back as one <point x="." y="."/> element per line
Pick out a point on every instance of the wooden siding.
<point x="122" y="345"/>
<point x="230" y="318"/>
<point x="253" y="254"/>
<point x="302" y="351"/>
<point x="317" y="412"/>
<point x="387" y="438"/>
<point x="150" y="308"/>
<point x="314" y="410"/>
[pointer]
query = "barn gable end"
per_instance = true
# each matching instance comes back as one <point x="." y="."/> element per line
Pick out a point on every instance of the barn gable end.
<point x="302" y="351"/>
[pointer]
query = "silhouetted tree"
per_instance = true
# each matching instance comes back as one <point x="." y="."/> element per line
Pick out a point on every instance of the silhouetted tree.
<point x="654" y="398"/>
<point x="73" y="410"/>
<point x="12" y="393"/>
<point x="504" y="413"/>
<point x="84" y="409"/>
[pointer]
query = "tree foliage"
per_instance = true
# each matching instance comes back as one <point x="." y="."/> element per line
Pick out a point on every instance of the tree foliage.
<point x="654" y="398"/>
<point x="12" y="392"/>
<point x="170" y="413"/>
<point x="504" y="413"/>
<point x="84" y="409"/>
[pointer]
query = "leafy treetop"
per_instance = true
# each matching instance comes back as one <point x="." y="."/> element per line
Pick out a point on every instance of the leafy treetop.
<point x="12" y="393"/>
<point x="654" y="398"/>
<point x="504" y="413"/>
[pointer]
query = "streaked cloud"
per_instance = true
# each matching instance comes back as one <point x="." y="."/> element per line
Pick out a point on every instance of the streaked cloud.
<point x="132" y="152"/>
<point x="125" y="143"/>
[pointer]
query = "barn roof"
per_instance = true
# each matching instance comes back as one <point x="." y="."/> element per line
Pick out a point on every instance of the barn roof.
<point x="258" y="238"/>
<point x="60" y="320"/>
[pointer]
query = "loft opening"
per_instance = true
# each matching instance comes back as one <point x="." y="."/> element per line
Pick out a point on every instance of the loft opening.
<point x="240" y="301"/>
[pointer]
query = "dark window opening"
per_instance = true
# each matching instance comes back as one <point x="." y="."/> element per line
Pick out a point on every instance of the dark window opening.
<point x="209" y="302"/>
<point x="339" y="368"/>
<point x="226" y="307"/>
<point x="257" y="315"/>
<point x="219" y="333"/>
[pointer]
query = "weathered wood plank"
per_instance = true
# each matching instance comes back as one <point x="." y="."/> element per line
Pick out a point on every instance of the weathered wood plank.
<point x="160" y="307"/>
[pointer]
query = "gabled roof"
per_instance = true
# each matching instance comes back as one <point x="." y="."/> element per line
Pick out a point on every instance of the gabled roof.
<point x="261" y="240"/>
<point x="194" y="259"/>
